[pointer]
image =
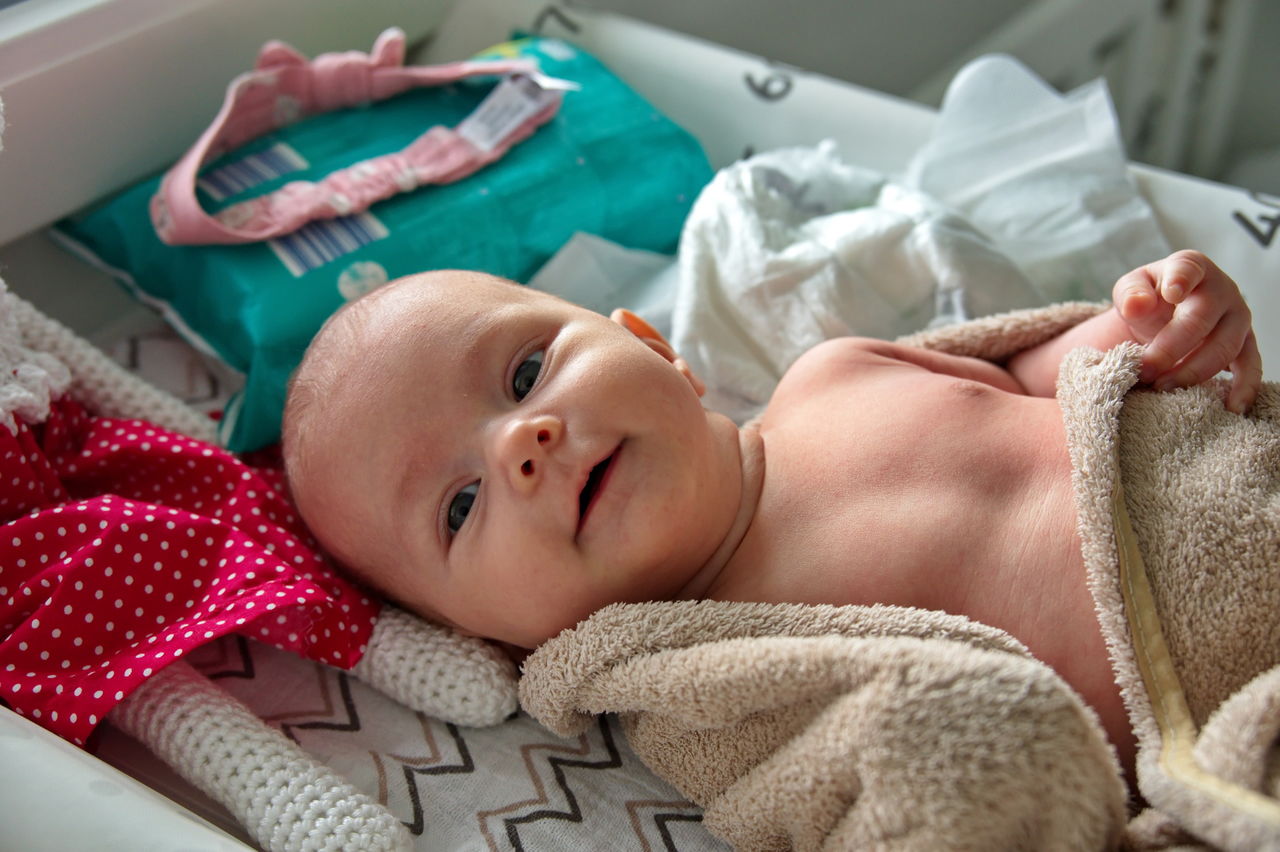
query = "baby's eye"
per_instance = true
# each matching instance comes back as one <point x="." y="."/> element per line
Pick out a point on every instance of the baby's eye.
<point x="460" y="506"/>
<point x="526" y="375"/>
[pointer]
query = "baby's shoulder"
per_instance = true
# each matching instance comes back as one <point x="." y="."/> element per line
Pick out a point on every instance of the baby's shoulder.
<point x="832" y="362"/>
<point x="821" y="379"/>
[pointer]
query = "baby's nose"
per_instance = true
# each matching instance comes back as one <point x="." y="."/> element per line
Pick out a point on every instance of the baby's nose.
<point x="524" y="447"/>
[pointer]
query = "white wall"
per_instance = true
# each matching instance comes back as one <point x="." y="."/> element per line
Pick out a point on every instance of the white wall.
<point x="889" y="45"/>
<point x="1253" y="154"/>
<point x="894" y="45"/>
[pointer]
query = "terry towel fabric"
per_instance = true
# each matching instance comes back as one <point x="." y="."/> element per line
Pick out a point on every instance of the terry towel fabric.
<point x="1179" y="512"/>
<point x="879" y="727"/>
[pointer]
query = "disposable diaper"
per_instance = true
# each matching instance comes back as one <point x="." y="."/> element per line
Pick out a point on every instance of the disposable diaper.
<point x="793" y="247"/>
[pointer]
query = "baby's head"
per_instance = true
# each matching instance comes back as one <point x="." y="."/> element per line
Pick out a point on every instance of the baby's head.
<point x="503" y="461"/>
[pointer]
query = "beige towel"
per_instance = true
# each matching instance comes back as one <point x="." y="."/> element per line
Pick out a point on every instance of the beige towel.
<point x="1179" y="513"/>
<point x="844" y="727"/>
<point x="1200" y="491"/>
<point x="890" y="728"/>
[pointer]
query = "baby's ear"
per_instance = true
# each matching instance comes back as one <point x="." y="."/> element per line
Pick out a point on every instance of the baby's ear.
<point x="655" y="341"/>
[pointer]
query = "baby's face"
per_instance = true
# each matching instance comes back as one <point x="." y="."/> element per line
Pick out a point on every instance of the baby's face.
<point x="510" y="463"/>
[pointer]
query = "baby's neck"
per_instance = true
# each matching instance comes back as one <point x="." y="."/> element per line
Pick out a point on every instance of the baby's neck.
<point x="751" y="455"/>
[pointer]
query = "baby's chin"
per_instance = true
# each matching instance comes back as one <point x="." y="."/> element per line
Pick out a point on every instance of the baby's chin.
<point x="531" y="636"/>
<point x="517" y="641"/>
<point x="532" y="639"/>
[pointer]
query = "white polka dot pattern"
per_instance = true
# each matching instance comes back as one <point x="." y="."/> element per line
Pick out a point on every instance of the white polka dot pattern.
<point x="125" y="545"/>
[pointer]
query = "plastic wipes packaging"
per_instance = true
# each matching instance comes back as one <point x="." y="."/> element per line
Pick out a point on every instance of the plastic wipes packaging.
<point x="608" y="164"/>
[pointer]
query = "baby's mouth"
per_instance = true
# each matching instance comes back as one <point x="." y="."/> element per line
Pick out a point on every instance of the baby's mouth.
<point x="595" y="483"/>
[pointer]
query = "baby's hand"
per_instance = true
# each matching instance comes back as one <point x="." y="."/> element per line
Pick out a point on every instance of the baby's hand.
<point x="1194" y="323"/>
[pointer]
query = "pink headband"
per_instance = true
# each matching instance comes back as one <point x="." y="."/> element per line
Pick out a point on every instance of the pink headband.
<point x="283" y="87"/>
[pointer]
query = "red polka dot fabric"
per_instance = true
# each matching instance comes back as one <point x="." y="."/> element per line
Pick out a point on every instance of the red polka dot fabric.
<point x="125" y="546"/>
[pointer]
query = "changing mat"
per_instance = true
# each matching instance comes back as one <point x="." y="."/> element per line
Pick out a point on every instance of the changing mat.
<point x="518" y="786"/>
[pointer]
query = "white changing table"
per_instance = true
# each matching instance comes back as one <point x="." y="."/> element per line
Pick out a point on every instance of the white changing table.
<point x="735" y="103"/>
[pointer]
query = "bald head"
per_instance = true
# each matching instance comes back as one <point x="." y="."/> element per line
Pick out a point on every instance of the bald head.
<point x="441" y="433"/>
<point x="346" y="375"/>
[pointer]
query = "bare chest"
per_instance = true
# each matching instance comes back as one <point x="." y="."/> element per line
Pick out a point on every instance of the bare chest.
<point x="934" y="493"/>
<point x="937" y="493"/>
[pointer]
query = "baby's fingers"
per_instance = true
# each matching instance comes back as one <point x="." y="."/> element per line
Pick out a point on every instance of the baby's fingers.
<point x="1246" y="377"/>
<point x="1218" y="349"/>
<point x="1179" y="274"/>
<point x="1139" y="304"/>
<point x="1194" y="323"/>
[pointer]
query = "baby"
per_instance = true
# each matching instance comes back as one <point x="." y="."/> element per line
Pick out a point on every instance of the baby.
<point x="505" y="462"/>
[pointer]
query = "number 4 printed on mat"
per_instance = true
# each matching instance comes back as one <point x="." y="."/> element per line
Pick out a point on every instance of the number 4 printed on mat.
<point x="1261" y="226"/>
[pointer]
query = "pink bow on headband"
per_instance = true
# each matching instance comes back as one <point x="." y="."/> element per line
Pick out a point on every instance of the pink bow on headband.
<point x="284" y="86"/>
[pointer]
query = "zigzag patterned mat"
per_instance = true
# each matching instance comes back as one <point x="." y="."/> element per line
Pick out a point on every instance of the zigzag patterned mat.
<point x="513" y="787"/>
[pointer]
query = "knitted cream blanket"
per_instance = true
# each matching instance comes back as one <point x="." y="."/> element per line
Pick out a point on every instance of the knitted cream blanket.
<point x="889" y="728"/>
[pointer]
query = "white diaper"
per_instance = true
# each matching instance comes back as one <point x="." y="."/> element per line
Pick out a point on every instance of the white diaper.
<point x="796" y="246"/>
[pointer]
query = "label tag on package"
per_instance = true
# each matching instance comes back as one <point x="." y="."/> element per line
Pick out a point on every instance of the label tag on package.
<point x="509" y="105"/>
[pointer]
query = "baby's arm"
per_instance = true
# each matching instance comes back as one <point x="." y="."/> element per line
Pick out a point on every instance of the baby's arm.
<point x="1190" y="315"/>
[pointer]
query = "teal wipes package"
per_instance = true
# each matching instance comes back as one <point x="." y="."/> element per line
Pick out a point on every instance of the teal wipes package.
<point x="607" y="164"/>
